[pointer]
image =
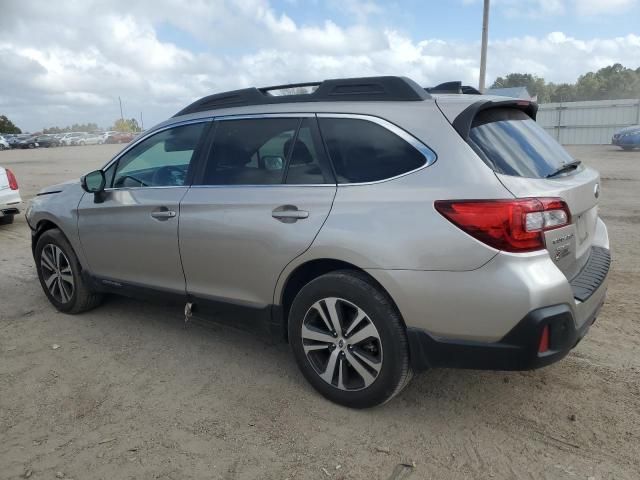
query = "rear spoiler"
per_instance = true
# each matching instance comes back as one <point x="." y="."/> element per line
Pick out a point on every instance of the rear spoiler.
<point x="464" y="120"/>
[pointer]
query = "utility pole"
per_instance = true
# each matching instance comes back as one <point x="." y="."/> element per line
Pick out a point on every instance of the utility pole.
<point x="141" y="123"/>
<point x="483" y="51"/>
<point x="121" y="116"/>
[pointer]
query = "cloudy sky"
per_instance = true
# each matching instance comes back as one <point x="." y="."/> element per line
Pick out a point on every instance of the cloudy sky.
<point x="67" y="62"/>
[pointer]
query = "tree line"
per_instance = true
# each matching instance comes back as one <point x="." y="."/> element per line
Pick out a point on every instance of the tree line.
<point x="609" y="83"/>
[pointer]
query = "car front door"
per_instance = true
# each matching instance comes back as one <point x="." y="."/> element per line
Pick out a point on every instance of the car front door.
<point x="264" y="192"/>
<point x="129" y="232"/>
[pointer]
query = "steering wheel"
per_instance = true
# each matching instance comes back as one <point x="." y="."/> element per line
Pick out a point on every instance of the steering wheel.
<point x="167" y="176"/>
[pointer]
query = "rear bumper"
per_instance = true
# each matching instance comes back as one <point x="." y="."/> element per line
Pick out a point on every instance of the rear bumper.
<point x="10" y="202"/>
<point x="518" y="350"/>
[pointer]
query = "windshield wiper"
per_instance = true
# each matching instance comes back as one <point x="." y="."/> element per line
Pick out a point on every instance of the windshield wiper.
<point x="565" y="168"/>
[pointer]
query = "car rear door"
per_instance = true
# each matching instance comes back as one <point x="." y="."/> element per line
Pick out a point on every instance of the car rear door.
<point x="261" y="197"/>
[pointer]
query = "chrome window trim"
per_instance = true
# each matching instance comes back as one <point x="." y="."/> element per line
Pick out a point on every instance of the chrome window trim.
<point x="156" y="187"/>
<point x="270" y="185"/>
<point x="251" y="116"/>
<point x="429" y="155"/>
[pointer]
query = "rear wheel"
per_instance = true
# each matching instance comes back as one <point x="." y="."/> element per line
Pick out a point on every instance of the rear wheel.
<point x="60" y="274"/>
<point x="348" y="340"/>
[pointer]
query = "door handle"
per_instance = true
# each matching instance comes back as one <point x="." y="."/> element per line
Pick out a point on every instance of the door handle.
<point x="163" y="214"/>
<point x="289" y="214"/>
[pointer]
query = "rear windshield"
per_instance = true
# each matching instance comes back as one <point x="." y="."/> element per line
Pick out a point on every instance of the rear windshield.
<point x="514" y="144"/>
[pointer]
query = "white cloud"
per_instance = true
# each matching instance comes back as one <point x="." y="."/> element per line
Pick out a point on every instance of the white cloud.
<point x="550" y="8"/>
<point x="600" y="7"/>
<point x="73" y="70"/>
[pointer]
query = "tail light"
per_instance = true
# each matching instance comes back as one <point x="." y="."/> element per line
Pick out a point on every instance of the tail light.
<point x="514" y="225"/>
<point x="13" y="183"/>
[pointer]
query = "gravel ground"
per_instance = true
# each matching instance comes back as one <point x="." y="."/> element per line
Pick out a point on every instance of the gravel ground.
<point x="130" y="393"/>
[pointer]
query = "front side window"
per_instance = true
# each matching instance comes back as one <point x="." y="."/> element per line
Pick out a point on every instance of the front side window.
<point x="363" y="151"/>
<point x="161" y="160"/>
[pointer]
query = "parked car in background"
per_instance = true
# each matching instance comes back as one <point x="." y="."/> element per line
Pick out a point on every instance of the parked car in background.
<point x="119" y="137"/>
<point x="628" y="138"/>
<point x="9" y="196"/>
<point x="71" y="138"/>
<point x="13" y="139"/>
<point x="26" y="142"/>
<point x="278" y="211"/>
<point x="4" y="145"/>
<point x="90" y="139"/>
<point x="47" y="141"/>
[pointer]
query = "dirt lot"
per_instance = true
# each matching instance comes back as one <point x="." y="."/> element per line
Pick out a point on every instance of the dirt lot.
<point x="130" y="393"/>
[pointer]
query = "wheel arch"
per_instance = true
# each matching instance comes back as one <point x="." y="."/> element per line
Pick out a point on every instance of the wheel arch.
<point x="312" y="269"/>
<point x="43" y="226"/>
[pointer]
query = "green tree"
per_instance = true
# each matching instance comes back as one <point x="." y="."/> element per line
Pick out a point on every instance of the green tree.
<point x="608" y="83"/>
<point x="7" y="126"/>
<point x="126" y="125"/>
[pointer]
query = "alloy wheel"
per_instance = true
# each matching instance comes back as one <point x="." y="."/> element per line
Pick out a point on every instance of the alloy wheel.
<point x="57" y="273"/>
<point x="342" y="344"/>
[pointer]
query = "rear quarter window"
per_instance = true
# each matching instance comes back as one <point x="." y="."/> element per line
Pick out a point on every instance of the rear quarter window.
<point x="512" y="143"/>
<point x="363" y="151"/>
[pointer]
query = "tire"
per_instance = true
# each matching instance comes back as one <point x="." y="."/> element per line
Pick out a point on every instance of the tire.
<point x="78" y="296"/>
<point x="6" y="220"/>
<point x="386" y="351"/>
<point x="1" y="147"/>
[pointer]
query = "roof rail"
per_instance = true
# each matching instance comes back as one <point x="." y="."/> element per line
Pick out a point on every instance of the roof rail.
<point x="453" y="87"/>
<point x="387" y="88"/>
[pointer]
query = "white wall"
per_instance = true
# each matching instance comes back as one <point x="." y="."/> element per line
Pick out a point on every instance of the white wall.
<point x="594" y="122"/>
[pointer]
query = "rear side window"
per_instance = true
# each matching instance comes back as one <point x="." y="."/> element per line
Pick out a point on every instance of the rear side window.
<point x="363" y="151"/>
<point x="265" y="151"/>
<point x="512" y="143"/>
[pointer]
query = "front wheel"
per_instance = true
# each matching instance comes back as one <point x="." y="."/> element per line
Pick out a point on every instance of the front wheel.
<point x="349" y="340"/>
<point x="60" y="274"/>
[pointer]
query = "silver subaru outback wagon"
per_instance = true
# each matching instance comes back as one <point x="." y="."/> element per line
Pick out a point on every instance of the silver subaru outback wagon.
<point x="379" y="227"/>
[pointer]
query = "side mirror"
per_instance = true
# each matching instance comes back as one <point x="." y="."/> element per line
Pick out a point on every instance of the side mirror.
<point x="273" y="162"/>
<point x="93" y="182"/>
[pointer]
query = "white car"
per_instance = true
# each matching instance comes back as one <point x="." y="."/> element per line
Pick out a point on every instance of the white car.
<point x="4" y="145"/>
<point x="90" y="139"/>
<point x="9" y="196"/>
<point x="70" y="138"/>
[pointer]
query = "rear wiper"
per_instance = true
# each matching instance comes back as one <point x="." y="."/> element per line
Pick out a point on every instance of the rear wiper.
<point x="565" y="168"/>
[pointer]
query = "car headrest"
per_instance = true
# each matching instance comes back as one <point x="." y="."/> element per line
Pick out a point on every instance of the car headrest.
<point x="230" y="155"/>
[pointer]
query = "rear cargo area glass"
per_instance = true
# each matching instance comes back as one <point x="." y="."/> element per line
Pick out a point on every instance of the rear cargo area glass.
<point x="512" y="143"/>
